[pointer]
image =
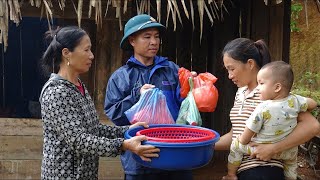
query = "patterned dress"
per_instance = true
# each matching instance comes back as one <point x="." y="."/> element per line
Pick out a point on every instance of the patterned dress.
<point x="73" y="137"/>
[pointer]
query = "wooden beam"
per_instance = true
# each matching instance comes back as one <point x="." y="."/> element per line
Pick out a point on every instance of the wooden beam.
<point x="286" y="31"/>
<point x="275" y="34"/>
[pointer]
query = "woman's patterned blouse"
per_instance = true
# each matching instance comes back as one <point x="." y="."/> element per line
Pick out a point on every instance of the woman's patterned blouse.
<point x="73" y="137"/>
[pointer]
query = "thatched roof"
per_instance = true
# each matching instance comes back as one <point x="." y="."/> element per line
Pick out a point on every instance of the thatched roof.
<point x="174" y="9"/>
<point x="11" y="10"/>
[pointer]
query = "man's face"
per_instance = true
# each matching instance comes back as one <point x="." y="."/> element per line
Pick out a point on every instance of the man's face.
<point x="145" y="43"/>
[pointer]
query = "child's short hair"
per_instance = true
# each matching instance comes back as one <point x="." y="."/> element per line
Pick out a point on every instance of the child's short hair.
<point x="281" y="72"/>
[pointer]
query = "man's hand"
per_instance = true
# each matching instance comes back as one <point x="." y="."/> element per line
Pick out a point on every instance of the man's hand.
<point x="194" y="74"/>
<point x="145" y="88"/>
<point x="144" y="124"/>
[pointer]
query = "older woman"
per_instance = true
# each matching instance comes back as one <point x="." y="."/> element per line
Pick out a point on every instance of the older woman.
<point x="73" y="137"/>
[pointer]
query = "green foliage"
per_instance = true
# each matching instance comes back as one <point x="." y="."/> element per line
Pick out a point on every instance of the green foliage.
<point x="308" y="85"/>
<point x="314" y="95"/>
<point x="295" y="11"/>
<point x="309" y="81"/>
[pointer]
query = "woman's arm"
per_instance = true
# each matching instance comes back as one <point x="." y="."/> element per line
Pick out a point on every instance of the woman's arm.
<point x="111" y="131"/>
<point x="224" y="142"/>
<point x="307" y="127"/>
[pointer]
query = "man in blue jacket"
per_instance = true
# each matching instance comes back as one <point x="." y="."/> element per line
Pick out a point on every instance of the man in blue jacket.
<point x="143" y="70"/>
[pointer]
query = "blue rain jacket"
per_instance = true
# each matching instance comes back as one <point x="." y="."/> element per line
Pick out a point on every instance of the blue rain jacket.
<point x="123" y="91"/>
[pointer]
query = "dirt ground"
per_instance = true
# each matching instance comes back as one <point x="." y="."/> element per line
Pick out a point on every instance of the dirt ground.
<point x="305" y="171"/>
<point x="213" y="171"/>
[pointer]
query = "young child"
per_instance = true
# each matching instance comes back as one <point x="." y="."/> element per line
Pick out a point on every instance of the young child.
<point x="273" y="119"/>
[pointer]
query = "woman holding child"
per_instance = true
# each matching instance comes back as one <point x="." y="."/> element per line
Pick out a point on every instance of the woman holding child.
<point x="243" y="59"/>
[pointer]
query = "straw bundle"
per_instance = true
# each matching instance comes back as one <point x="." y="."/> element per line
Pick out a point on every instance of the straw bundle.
<point x="10" y="10"/>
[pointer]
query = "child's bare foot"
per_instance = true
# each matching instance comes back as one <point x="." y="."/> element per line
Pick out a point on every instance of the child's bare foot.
<point x="230" y="177"/>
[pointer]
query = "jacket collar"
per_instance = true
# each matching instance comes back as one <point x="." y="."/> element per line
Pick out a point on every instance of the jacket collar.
<point x="158" y="60"/>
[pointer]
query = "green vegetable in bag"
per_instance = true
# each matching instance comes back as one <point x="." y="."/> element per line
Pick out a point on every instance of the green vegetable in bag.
<point x="189" y="113"/>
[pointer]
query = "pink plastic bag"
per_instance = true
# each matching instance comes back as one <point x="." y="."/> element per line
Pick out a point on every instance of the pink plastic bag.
<point x="151" y="108"/>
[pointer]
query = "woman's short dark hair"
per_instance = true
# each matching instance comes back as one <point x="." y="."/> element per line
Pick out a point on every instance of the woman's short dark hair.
<point x="67" y="37"/>
<point x="242" y="49"/>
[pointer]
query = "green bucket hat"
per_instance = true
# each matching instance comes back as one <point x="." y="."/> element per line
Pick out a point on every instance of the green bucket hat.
<point x="138" y="23"/>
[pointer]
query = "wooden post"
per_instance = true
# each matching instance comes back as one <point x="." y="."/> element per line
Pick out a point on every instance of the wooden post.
<point x="108" y="58"/>
<point x="286" y="31"/>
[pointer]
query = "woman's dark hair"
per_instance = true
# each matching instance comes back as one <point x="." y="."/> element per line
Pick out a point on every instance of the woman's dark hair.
<point x="242" y="49"/>
<point x="67" y="37"/>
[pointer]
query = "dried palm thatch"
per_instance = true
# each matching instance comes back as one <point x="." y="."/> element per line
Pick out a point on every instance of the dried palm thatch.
<point x="10" y="10"/>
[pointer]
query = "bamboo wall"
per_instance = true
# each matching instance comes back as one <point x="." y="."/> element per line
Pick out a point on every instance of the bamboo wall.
<point x="21" y="151"/>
